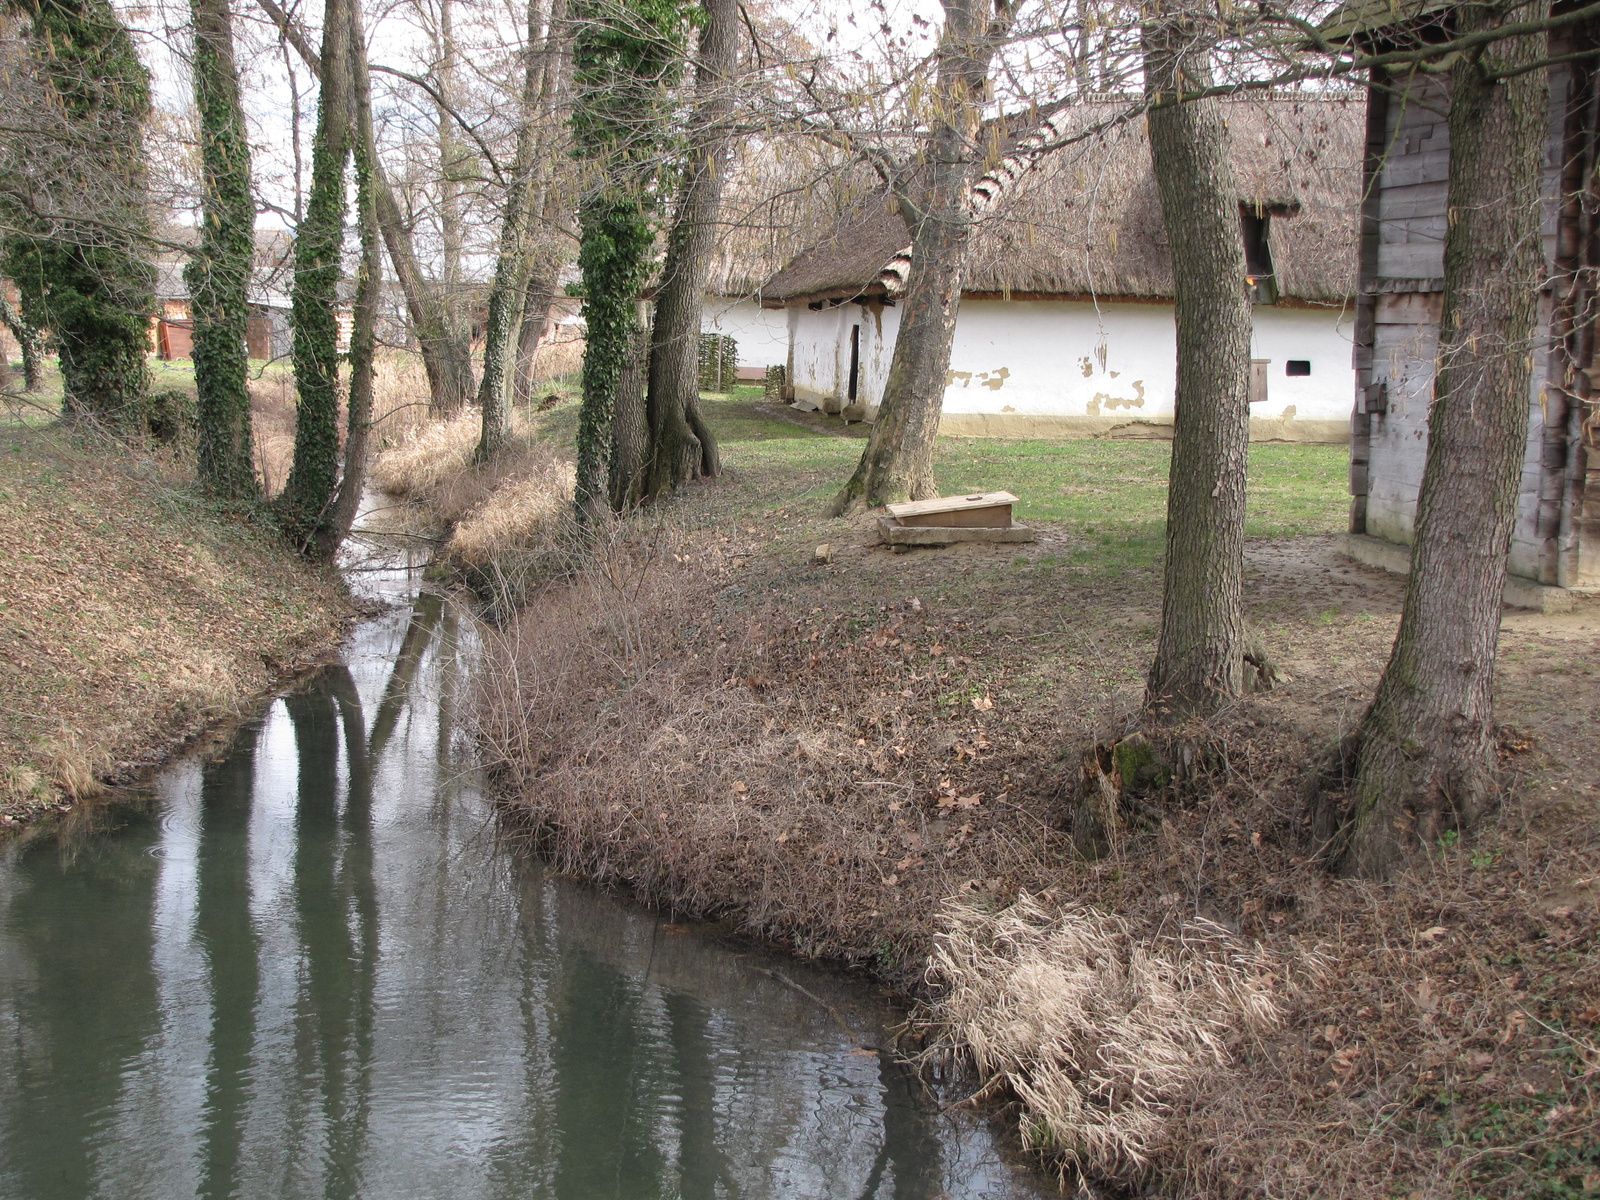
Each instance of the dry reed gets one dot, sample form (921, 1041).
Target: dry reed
(1097, 1026)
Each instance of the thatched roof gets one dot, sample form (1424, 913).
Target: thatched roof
(1086, 221)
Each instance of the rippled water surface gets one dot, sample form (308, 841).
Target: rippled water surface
(305, 968)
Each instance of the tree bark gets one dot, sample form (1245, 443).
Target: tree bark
(219, 274)
(536, 302)
(529, 177)
(897, 463)
(1200, 654)
(318, 245)
(369, 277)
(1425, 760)
(455, 331)
(448, 363)
(630, 426)
(678, 452)
(30, 343)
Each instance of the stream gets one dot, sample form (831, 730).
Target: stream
(304, 964)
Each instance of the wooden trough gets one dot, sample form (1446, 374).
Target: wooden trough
(980, 517)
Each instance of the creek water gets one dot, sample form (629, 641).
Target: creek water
(304, 965)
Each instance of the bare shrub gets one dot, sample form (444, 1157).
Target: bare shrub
(732, 758)
(1097, 1026)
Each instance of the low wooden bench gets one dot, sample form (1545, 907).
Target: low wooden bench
(975, 517)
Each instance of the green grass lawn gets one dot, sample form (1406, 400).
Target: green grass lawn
(1115, 490)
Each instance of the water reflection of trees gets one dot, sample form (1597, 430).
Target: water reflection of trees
(579, 1049)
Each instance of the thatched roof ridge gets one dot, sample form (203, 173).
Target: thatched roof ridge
(1087, 219)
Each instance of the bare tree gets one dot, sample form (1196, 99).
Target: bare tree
(934, 194)
(1426, 755)
(681, 443)
(1200, 655)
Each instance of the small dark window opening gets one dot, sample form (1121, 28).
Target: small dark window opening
(1297, 366)
(815, 306)
(855, 360)
(1255, 224)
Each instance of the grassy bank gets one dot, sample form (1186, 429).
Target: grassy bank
(877, 759)
(132, 613)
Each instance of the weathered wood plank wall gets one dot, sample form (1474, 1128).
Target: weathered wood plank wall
(1402, 273)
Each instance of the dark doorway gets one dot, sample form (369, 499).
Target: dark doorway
(855, 360)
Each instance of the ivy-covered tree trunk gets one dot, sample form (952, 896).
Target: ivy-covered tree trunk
(30, 344)
(318, 252)
(630, 433)
(897, 463)
(1425, 759)
(681, 445)
(364, 317)
(1200, 654)
(614, 258)
(86, 275)
(219, 274)
(626, 56)
(447, 362)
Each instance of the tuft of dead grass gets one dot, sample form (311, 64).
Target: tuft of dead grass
(1097, 1025)
(430, 453)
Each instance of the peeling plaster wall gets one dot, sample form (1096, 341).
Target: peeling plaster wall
(1055, 368)
(762, 333)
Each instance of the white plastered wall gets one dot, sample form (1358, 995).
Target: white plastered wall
(1058, 368)
(762, 334)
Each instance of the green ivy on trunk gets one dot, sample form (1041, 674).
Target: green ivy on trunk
(86, 275)
(219, 274)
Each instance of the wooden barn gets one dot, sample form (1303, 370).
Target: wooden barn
(1556, 540)
(1066, 323)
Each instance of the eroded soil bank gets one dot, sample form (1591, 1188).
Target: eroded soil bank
(132, 614)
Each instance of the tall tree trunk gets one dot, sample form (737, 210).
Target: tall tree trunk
(897, 463)
(219, 274)
(630, 424)
(90, 281)
(1426, 747)
(678, 452)
(457, 330)
(1200, 655)
(318, 245)
(509, 290)
(30, 343)
(448, 363)
(617, 236)
(627, 54)
(369, 278)
(536, 302)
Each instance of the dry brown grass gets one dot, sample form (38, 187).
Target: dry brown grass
(506, 518)
(134, 613)
(1097, 1025)
(842, 757)
(399, 403)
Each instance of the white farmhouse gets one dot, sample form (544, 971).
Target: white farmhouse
(1066, 322)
